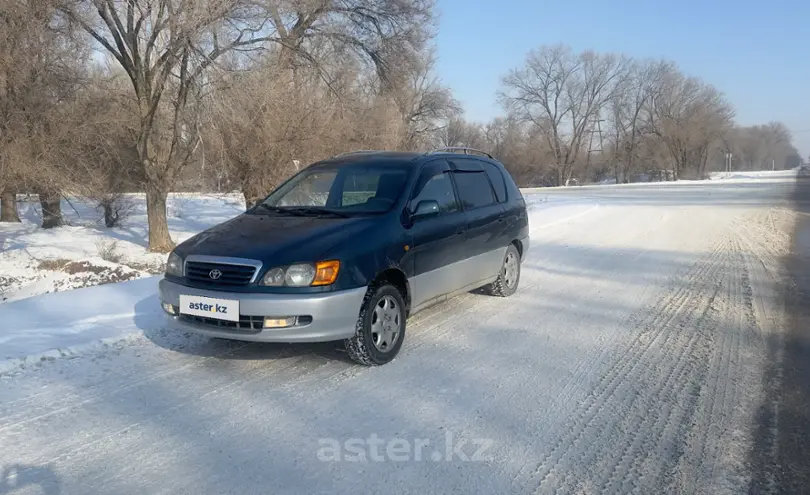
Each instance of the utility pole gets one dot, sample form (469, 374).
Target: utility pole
(591, 149)
(773, 164)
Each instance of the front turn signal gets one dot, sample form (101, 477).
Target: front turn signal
(326, 272)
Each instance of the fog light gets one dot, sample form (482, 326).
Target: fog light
(279, 322)
(170, 309)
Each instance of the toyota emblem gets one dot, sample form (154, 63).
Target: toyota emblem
(214, 274)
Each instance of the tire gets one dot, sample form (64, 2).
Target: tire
(509, 277)
(380, 327)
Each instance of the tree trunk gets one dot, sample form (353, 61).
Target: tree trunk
(159, 239)
(51, 203)
(110, 216)
(252, 194)
(8, 207)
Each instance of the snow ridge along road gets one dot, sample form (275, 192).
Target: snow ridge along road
(630, 360)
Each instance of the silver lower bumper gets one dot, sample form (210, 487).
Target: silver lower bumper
(334, 314)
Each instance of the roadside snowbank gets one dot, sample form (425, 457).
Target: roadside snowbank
(753, 175)
(66, 323)
(36, 261)
(714, 178)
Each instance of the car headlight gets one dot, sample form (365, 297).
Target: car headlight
(302, 274)
(174, 265)
(299, 275)
(273, 278)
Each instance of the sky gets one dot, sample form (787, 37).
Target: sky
(756, 52)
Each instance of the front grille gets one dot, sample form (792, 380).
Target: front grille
(200, 271)
(246, 324)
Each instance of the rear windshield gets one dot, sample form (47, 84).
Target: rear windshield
(347, 189)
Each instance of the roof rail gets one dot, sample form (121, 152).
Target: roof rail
(356, 152)
(454, 149)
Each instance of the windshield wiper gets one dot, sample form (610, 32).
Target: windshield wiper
(278, 209)
(310, 210)
(303, 211)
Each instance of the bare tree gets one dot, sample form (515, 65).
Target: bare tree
(561, 93)
(40, 65)
(166, 47)
(426, 106)
(379, 31)
(625, 114)
(340, 75)
(459, 132)
(760, 147)
(688, 115)
(264, 128)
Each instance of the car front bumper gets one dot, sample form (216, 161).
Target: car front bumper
(334, 314)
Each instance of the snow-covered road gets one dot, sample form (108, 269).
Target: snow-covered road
(630, 360)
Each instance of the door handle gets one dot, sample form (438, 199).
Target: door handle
(460, 230)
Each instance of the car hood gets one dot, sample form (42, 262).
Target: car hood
(275, 239)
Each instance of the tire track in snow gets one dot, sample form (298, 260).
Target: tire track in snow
(709, 419)
(721, 393)
(673, 394)
(652, 324)
(766, 273)
(25, 406)
(678, 412)
(670, 444)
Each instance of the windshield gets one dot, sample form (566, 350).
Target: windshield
(345, 189)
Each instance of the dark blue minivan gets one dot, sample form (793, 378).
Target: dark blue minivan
(351, 246)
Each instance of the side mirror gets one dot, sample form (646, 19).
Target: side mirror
(425, 208)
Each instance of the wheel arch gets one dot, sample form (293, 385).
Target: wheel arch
(519, 246)
(398, 279)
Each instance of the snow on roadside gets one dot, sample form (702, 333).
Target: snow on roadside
(714, 178)
(68, 323)
(36, 261)
(753, 175)
(547, 211)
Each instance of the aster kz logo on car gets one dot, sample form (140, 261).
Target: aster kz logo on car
(223, 309)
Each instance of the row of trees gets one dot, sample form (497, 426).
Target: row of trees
(101, 97)
(590, 116)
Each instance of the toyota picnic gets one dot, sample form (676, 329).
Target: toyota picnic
(349, 247)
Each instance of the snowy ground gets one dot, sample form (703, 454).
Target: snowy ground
(34, 261)
(630, 360)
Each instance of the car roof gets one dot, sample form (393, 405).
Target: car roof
(368, 158)
(372, 157)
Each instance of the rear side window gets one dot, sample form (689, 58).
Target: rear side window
(474, 189)
(497, 179)
(437, 187)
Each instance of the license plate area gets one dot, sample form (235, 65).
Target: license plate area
(210, 307)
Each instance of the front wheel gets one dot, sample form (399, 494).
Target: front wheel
(508, 278)
(380, 327)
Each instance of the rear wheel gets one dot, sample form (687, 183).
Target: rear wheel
(507, 282)
(380, 327)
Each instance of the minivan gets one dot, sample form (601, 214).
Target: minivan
(349, 247)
